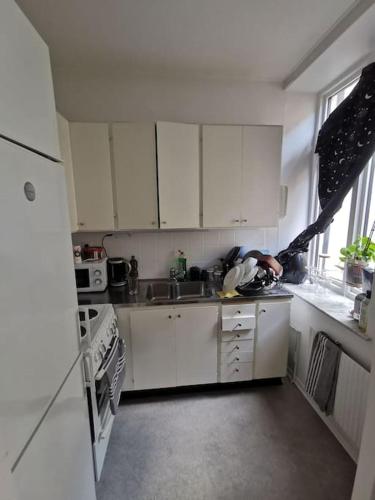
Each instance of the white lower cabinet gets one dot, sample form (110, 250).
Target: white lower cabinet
(174, 346)
(271, 345)
(153, 348)
(196, 345)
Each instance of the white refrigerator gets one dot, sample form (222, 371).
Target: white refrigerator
(45, 439)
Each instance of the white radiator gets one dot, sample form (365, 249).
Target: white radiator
(351, 399)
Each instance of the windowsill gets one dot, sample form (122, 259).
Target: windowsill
(330, 303)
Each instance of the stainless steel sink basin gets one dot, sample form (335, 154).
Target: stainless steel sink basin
(159, 291)
(190, 290)
(168, 291)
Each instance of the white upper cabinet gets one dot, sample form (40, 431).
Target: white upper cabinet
(92, 175)
(27, 103)
(134, 156)
(241, 175)
(66, 156)
(178, 175)
(222, 167)
(261, 175)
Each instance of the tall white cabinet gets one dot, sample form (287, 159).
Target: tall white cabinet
(27, 104)
(241, 175)
(178, 174)
(92, 175)
(134, 163)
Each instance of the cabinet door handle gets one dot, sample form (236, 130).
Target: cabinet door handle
(178, 315)
(237, 370)
(243, 220)
(262, 311)
(238, 312)
(81, 223)
(170, 317)
(153, 223)
(238, 335)
(237, 358)
(163, 221)
(236, 220)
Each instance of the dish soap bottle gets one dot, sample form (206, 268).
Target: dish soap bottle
(181, 265)
(133, 276)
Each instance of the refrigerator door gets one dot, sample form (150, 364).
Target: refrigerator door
(57, 464)
(38, 302)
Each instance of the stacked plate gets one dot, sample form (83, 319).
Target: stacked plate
(240, 275)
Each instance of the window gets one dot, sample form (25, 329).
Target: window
(357, 214)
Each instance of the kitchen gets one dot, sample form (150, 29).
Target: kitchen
(160, 162)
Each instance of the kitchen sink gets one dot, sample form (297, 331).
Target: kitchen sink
(159, 291)
(190, 290)
(168, 291)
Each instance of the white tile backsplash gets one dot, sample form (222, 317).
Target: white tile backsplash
(155, 251)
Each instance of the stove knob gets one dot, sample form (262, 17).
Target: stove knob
(97, 272)
(98, 281)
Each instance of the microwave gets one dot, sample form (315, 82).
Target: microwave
(91, 275)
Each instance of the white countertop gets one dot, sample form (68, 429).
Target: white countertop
(333, 304)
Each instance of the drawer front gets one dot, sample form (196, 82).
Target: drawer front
(236, 372)
(237, 345)
(228, 358)
(238, 310)
(241, 323)
(237, 335)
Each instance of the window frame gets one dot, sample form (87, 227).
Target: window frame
(361, 196)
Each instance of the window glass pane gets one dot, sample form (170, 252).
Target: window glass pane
(371, 215)
(338, 232)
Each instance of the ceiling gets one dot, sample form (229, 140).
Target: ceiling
(260, 40)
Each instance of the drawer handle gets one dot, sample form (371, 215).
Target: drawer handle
(238, 324)
(262, 311)
(170, 317)
(235, 347)
(237, 358)
(178, 315)
(237, 370)
(238, 335)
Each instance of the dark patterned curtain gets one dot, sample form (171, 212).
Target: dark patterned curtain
(345, 144)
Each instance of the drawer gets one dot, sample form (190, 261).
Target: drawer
(237, 335)
(240, 323)
(238, 310)
(237, 345)
(228, 358)
(236, 372)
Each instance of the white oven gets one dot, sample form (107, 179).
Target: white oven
(104, 361)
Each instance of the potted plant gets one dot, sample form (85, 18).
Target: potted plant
(356, 257)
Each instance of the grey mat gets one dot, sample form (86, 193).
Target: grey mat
(263, 443)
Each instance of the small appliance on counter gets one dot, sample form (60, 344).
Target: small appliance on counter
(118, 270)
(93, 253)
(91, 275)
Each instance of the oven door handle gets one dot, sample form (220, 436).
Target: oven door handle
(103, 369)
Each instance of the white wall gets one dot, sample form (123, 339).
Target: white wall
(156, 250)
(151, 98)
(299, 127)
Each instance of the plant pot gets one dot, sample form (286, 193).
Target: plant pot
(354, 272)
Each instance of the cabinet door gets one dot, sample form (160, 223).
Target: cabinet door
(27, 103)
(153, 348)
(261, 175)
(57, 463)
(92, 175)
(222, 175)
(271, 346)
(178, 175)
(66, 156)
(196, 345)
(134, 156)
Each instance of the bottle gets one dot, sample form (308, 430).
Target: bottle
(363, 315)
(133, 276)
(181, 265)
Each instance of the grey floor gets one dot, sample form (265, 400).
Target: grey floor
(263, 443)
